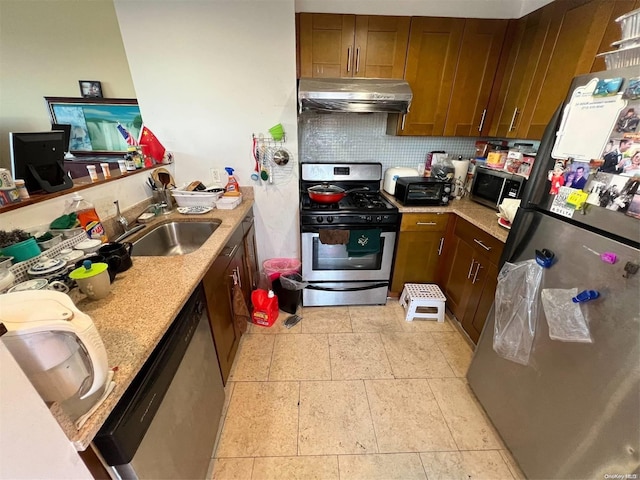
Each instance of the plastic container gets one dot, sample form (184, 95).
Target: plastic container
(274, 267)
(87, 216)
(228, 203)
(265, 307)
(22, 251)
(232, 187)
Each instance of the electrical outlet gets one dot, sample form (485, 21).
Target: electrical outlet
(215, 176)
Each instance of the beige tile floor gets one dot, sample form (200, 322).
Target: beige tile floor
(356, 393)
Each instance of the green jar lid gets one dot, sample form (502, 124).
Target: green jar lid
(88, 270)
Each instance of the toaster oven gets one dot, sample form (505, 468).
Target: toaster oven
(423, 191)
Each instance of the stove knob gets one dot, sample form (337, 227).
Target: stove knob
(329, 219)
(369, 218)
(319, 219)
(379, 218)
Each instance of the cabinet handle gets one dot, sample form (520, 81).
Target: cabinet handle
(348, 59)
(441, 245)
(403, 119)
(513, 119)
(475, 275)
(484, 114)
(357, 59)
(426, 223)
(482, 244)
(233, 251)
(470, 268)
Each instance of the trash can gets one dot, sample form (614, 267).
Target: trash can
(274, 267)
(288, 288)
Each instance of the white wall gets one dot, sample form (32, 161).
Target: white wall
(45, 48)
(208, 74)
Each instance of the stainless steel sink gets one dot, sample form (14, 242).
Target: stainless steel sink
(174, 238)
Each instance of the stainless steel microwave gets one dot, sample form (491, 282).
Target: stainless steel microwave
(490, 186)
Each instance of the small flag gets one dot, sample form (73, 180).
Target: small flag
(126, 135)
(151, 146)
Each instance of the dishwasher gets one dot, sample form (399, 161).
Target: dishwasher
(165, 424)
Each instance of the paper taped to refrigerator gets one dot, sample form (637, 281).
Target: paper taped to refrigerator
(586, 125)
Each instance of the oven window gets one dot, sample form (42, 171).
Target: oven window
(334, 257)
(488, 186)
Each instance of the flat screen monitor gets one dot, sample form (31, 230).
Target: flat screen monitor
(66, 128)
(37, 158)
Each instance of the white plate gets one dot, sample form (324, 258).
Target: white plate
(194, 210)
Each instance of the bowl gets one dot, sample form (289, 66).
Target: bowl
(89, 245)
(52, 242)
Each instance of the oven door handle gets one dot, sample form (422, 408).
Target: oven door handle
(347, 289)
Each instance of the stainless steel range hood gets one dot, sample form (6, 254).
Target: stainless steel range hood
(360, 95)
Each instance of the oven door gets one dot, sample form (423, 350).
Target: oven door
(331, 263)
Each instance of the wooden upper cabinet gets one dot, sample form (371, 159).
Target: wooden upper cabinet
(513, 84)
(476, 67)
(352, 46)
(431, 66)
(612, 33)
(573, 36)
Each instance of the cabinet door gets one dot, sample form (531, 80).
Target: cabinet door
(477, 62)
(612, 32)
(571, 37)
(417, 258)
(218, 286)
(431, 64)
(484, 302)
(326, 45)
(380, 46)
(456, 282)
(525, 38)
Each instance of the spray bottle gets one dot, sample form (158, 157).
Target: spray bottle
(232, 189)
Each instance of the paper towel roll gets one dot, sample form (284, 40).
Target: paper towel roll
(460, 171)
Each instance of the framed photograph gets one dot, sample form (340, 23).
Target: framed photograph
(94, 123)
(90, 89)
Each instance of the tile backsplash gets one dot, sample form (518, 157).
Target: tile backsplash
(357, 137)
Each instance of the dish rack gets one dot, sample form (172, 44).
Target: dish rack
(186, 198)
(19, 269)
(628, 53)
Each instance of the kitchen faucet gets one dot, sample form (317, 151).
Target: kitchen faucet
(126, 231)
(120, 218)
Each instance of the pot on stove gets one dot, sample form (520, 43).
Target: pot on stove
(325, 193)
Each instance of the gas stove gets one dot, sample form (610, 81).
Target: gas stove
(359, 208)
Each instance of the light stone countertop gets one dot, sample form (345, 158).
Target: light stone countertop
(483, 217)
(143, 303)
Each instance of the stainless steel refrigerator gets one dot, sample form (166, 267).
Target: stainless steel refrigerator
(573, 411)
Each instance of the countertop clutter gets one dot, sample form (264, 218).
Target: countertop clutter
(143, 303)
(481, 216)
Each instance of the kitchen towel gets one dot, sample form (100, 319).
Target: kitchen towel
(241, 313)
(363, 242)
(333, 237)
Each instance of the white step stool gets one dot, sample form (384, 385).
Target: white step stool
(424, 296)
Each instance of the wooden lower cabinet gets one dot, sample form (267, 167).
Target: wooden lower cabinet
(418, 249)
(218, 285)
(470, 276)
(252, 271)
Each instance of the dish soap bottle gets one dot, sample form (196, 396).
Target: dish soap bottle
(232, 189)
(87, 216)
